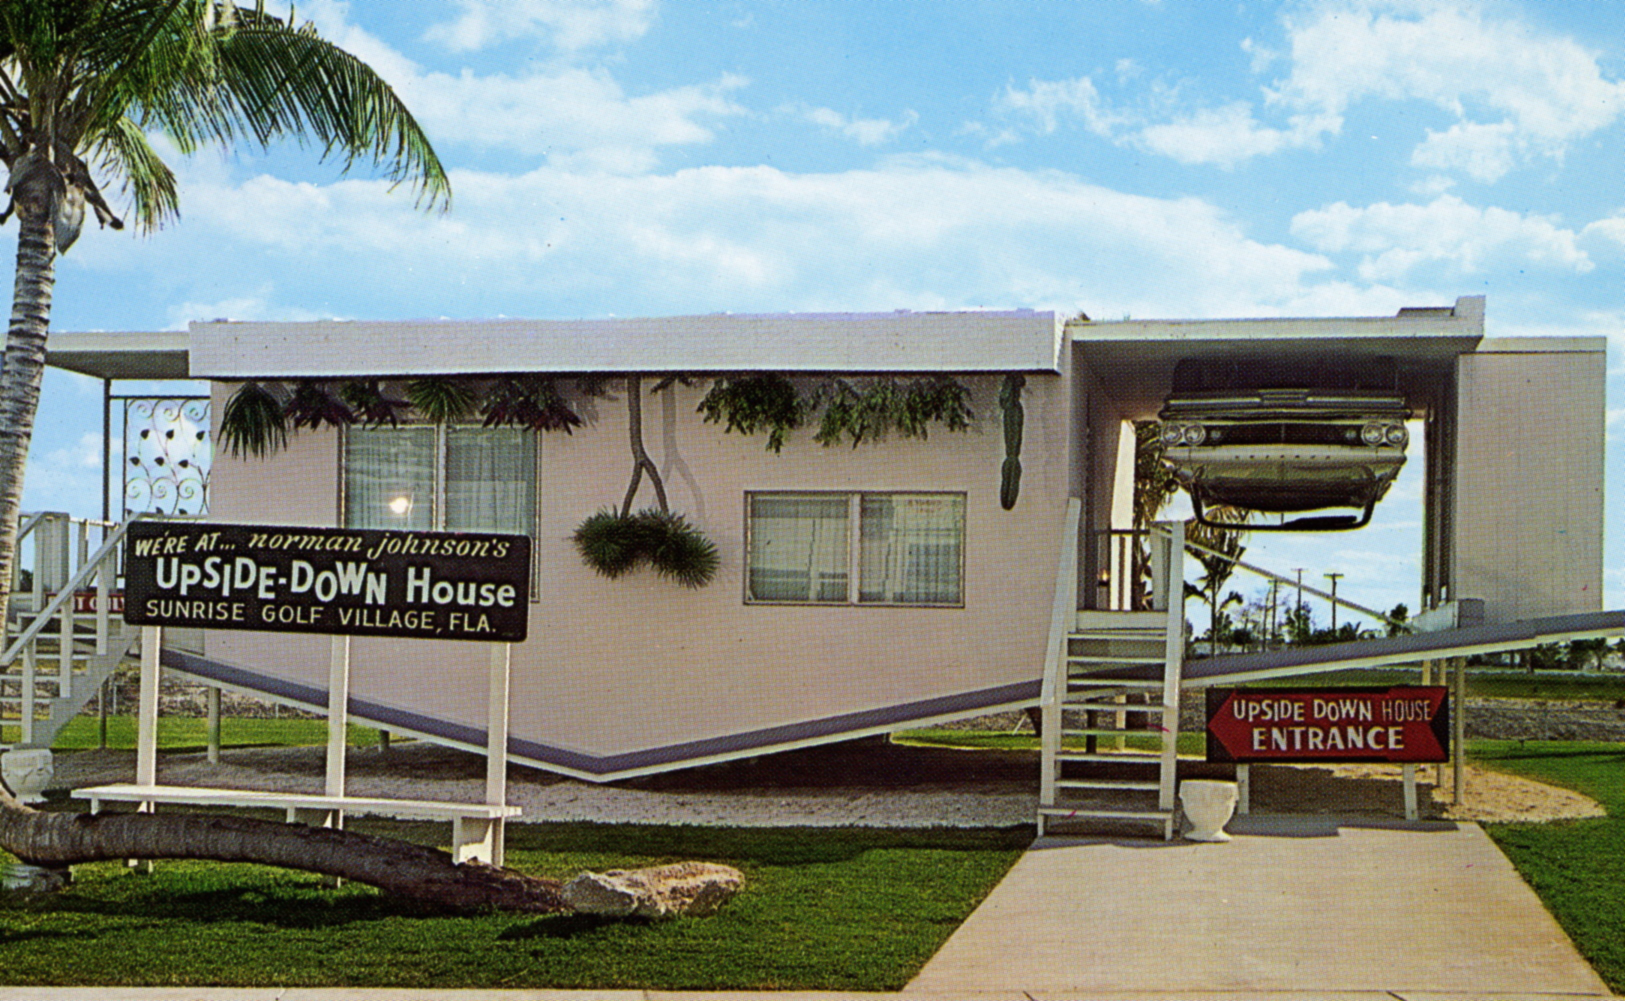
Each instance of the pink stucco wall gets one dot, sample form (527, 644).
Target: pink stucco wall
(620, 666)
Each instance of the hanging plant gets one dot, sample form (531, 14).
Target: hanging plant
(845, 410)
(857, 412)
(614, 544)
(371, 407)
(531, 402)
(1014, 417)
(439, 399)
(751, 403)
(313, 404)
(253, 423)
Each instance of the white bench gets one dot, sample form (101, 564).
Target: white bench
(475, 827)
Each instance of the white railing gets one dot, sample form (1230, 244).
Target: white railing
(1063, 617)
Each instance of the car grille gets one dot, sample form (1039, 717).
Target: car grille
(1273, 433)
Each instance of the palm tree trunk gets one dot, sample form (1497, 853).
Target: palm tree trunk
(24, 363)
(422, 876)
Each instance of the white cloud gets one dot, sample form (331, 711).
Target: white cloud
(570, 25)
(1225, 136)
(1047, 103)
(1612, 228)
(568, 114)
(910, 233)
(61, 478)
(1517, 93)
(1396, 239)
(863, 131)
(575, 115)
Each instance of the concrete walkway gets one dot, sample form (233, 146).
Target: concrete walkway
(1294, 905)
(1295, 909)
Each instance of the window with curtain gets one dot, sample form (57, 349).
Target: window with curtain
(908, 548)
(457, 479)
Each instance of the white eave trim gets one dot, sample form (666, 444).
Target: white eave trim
(1020, 340)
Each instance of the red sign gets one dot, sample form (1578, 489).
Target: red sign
(1403, 723)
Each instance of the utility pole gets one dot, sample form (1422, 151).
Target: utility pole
(1297, 614)
(1334, 578)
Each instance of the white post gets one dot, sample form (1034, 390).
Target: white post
(213, 697)
(1408, 770)
(30, 674)
(1173, 567)
(146, 728)
(496, 744)
(338, 714)
(1458, 723)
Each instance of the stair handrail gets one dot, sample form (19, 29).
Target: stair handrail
(65, 594)
(1064, 604)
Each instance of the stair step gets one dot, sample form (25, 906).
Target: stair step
(1115, 757)
(1082, 813)
(1105, 731)
(1081, 683)
(1090, 658)
(1111, 707)
(1127, 785)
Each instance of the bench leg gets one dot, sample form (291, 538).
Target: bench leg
(139, 866)
(477, 839)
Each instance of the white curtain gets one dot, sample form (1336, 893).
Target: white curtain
(490, 480)
(389, 478)
(798, 548)
(911, 549)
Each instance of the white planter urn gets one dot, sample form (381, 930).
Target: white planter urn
(1208, 805)
(27, 772)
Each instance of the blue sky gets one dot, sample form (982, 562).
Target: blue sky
(1120, 157)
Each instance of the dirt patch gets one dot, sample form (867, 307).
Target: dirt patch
(866, 783)
(1491, 797)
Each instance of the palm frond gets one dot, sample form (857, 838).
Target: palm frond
(278, 82)
(124, 152)
(252, 423)
(440, 400)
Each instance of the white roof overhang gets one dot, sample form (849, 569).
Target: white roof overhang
(1134, 359)
(121, 355)
(902, 342)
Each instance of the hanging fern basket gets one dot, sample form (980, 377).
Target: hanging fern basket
(614, 544)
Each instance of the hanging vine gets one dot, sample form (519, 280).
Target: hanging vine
(849, 410)
(260, 417)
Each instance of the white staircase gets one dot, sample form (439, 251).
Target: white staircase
(1110, 704)
(62, 638)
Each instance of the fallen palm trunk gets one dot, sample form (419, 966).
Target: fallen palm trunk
(423, 876)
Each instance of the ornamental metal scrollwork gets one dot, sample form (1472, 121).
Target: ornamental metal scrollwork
(168, 453)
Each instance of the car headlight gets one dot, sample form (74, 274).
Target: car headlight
(1172, 435)
(1194, 434)
(1372, 434)
(1396, 435)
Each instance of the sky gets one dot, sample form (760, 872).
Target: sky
(1123, 158)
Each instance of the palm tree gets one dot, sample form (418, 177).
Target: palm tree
(82, 82)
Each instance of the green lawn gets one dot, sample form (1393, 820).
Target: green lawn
(1577, 867)
(823, 909)
(181, 733)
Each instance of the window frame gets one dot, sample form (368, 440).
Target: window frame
(854, 546)
(438, 519)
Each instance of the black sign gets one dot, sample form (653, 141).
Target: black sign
(340, 581)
